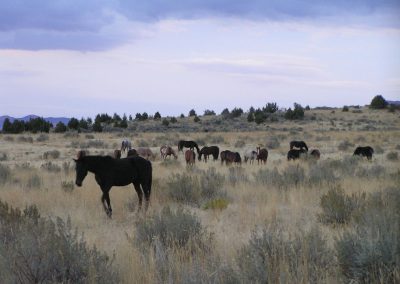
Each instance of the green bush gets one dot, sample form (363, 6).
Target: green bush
(42, 138)
(275, 256)
(5, 174)
(195, 189)
(54, 154)
(34, 182)
(345, 108)
(378, 102)
(50, 167)
(337, 207)
(345, 145)
(216, 204)
(34, 249)
(392, 156)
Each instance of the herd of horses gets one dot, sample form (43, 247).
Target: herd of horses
(136, 168)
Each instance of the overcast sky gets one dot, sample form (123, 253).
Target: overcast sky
(79, 58)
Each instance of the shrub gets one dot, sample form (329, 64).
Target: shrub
(42, 138)
(34, 182)
(369, 252)
(165, 122)
(60, 127)
(5, 174)
(344, 145)
(273, 143)
(337, 207)
(172, 229)
(237, 175)
(392, 156)
(173, 120)
(67, 186)
(296, 113)
(3, 157)
(345, 108)
(89, 136)
(378, 102)
(240, 143)
(54, 154)
(50, 167)
(196, 119)
(195, 189)
(275, 256)
(25, 139)
(192, 112)
(35, 249)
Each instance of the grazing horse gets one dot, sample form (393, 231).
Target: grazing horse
(188, 144)
(167, 151)
(230, 157)
(301, 145)
(117, 154)
(145, 152)
(250, 156)
(111, 172)
(262, 155)
(132, 153)
(295, 154)
(315, 154)
(211, 150)
(126, 145)
(190, 157)
(366, 151)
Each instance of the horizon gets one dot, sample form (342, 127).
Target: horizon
(82, 59)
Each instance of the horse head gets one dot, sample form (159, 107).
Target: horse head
(81, 168)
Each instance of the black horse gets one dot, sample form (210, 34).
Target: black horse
(298, 144)
(111, 172)
(211, 150)
(295, 154)
(366, 151)
(188, 144)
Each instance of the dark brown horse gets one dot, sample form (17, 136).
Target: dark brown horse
(262, 155)
(295, 154)
(117, 154)
(211, 150)
(315, 154)
(188, 144)
(366, 151)
(111, 172)
(132, 153)
(301, 145)
(190, 157)
(230, 157)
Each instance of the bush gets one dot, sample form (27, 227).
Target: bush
(3, 157)
(5, 174)
(275, 256)
(192, 112)
(165, 122)
(172, 229)
(273, 143)
(337, 207)
(369, 252)
(392, 156)
(378, 102)
(296, 113)
(34, 182)
(345, 145)
(25, 139)
(67, 186)
(345, 108)
(196, 119)
(42, 138)
(54, 154)
(216, 204)
(60, 127)
(237, 175)
(50, 167)
(35, 249)
(195, 189)
(240, 143)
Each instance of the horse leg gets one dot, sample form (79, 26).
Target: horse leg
(139, 193)
(105, 200)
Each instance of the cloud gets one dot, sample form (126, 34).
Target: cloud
(90, 24)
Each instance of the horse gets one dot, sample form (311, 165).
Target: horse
(262, 155)
(250, 155)
(211, 150)
(132, 153)
(315, 154)
(190, 157)
(111, 172)
(301, 145)
(126, 145)
(366, 151)
(117, 154)
(188, 144)
(230, 157)
(167, 151)
(295, 154)
(145, 152)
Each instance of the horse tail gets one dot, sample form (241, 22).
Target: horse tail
(305, 146)
(197, 148)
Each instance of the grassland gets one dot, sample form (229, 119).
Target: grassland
(260, 223)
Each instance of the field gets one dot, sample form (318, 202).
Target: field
(287, 222)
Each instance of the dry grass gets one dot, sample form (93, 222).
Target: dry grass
(250, 204)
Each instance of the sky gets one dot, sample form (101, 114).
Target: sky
(80, 58)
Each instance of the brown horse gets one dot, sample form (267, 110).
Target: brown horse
(117, 154)
(167, 151)
(230, 157)
(315, 154)
(190, 157)
(211, 150)
(145, 152)
(262, 155)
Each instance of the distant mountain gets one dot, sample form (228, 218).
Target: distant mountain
(396, 103)
(53, 120)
